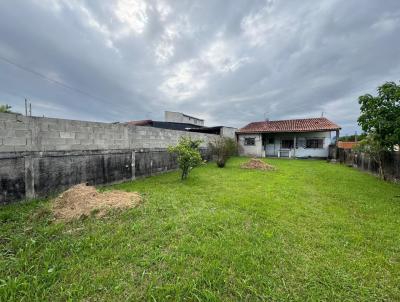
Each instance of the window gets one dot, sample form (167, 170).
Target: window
(317, 143)
(249, 141)
(271, 141)
(287, 144)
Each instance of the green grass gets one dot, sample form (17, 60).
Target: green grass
(307, 231)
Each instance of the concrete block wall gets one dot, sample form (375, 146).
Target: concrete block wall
(40, 156)
(19, 133)
(149, 137)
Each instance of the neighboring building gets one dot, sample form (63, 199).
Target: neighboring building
(309, 137)
(183, 122)
(164, 125)
(178, 117)
(220, 130)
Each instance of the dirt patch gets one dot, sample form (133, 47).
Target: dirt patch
(257, 164)
(82, 200)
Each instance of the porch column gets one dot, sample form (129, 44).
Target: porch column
(294, 145)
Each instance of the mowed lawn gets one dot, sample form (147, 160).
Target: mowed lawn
(307, 231)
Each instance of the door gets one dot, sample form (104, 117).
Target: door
(270, 146)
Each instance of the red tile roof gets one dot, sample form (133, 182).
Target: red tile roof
(346, 145)
(297, 125)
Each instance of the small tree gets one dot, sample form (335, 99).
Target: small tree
(188, 154)
(223, 148)
(5, 108)
(372, 146)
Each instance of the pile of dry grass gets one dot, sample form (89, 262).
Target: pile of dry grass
(257, 164)
(82, 200)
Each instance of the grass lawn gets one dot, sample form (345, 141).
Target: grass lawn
(307, 231)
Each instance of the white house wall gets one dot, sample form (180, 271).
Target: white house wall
(245, 150)
(301, 151)
(272, 149)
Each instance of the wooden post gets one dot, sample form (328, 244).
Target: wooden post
(337, 136)
(336, 155)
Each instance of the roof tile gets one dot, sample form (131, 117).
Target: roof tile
(296, 125)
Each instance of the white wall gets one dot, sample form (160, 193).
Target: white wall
(300, 151)
(245, 150)
(178, 117)
(228, 132)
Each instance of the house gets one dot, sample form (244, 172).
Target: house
(308, 137)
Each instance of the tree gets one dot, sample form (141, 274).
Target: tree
(380, 115)
(353, 138)
(223, 148)
(5, 108)
(380, 119)
(372, 146)
(188, 154)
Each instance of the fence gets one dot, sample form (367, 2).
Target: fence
(391, 162)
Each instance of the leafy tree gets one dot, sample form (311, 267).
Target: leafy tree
(380, 115)
(223, 148)
(5, 108)
(188, 154)
(380, 119)
(352, 138)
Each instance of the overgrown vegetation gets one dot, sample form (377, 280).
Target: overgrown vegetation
(188, 154)
(222, 148)
(380, 115)
(380, 119)
(308, 231)
(5, 108)
(353, 138)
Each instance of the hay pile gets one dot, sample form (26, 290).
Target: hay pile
(257, 164)
(82, 200)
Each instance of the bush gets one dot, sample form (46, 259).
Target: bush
(188, 154)
(5, 109)
(222, 148)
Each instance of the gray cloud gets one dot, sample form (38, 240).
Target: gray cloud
(230, 62)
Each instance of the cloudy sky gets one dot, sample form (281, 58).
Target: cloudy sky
(229, 62)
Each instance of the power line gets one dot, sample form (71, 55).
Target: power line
(38, 74)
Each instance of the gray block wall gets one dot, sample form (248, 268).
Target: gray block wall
(40, 156)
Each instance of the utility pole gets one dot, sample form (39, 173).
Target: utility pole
(30, 109)
(26, 107)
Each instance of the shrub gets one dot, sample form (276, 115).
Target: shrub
(188, 154)
(223, 148)
(5, 108)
